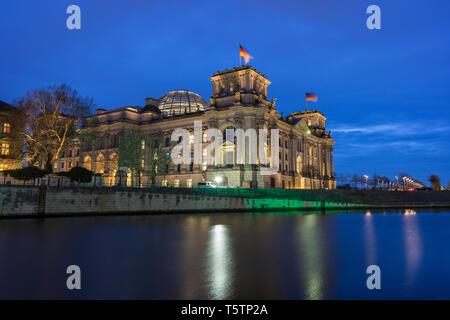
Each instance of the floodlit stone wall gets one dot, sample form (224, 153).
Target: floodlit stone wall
(53, 201)
(19, 200)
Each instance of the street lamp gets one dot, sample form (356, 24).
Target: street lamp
(367, 179)
(218, 179)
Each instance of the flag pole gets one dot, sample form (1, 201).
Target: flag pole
(239, 54)
(306, 104)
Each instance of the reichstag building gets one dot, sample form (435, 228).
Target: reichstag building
(239, 99)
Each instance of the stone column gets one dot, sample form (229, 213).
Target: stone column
(213, 123)
(238, 124)
(320, 159)
(292, 153)
(331, 163)
(258, 125)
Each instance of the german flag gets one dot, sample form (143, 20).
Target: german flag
(245, 54)
(311, 96)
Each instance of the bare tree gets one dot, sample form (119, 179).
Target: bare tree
(385, 182)
(341, 178)
(435, 182)
(52, 115)
(356, 179)
(375, 180)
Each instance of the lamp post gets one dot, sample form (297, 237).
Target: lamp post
(218, 180)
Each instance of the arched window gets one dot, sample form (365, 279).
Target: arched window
(228, 150)
(87, 163)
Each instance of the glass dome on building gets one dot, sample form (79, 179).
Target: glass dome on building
(180, 102)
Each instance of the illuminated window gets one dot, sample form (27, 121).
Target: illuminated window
(191, 139)
(6, 128)
(142, 144)
(70, 164)
(3, 166)
(129, 179)
(176, 183)
(205, 165)
(229, 157)
(142, 163)
(4, 151)
(228, 134)
(189, 183)
(164, 183)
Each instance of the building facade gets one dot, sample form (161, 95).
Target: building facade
(11, 139)
(239, 100)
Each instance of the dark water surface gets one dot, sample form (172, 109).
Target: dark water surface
(229, 256)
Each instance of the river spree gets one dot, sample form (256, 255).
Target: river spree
(229, 256)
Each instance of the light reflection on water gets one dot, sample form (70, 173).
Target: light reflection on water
(311, 256)
(413, 246)
(219, 262)
(223, 256)
(370, 239)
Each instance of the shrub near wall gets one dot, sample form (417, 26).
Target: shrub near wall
(28, 173)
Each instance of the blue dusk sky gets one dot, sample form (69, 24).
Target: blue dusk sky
(385, 92)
